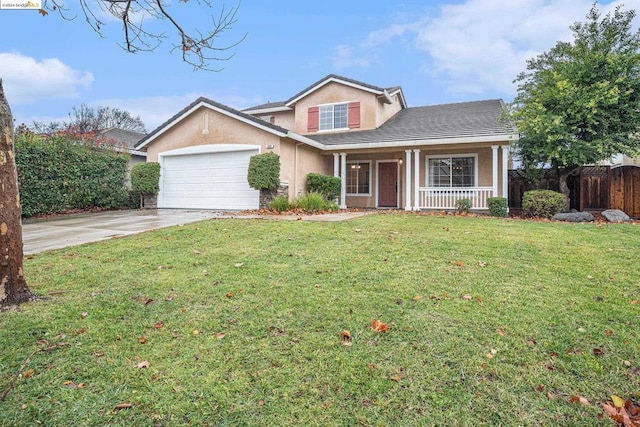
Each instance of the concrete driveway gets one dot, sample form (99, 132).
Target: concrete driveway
(69, 230)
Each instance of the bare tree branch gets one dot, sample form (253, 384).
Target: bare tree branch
(199, 47)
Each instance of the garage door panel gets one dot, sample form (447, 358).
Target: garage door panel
(207, 181)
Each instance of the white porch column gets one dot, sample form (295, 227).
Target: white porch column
(407, 181)
(343, 180)
(416, 180)
(494, 163)
(336, 164)
(505, 171)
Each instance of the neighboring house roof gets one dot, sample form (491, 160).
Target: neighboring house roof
(127, 138)
(228, 111)
(434, 124)
(286, 105)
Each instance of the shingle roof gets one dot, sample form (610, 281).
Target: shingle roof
(466, 119)
(212, 103)
(319, 82)
(127, 137)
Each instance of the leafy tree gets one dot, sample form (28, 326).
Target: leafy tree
(578, 103)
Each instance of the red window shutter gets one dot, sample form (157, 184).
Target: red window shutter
(313, 119)
(272, 120)
(353, 118)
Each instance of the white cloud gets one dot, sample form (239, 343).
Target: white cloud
(156, 110)
(27, 80)
(482, 45)
(344, 57)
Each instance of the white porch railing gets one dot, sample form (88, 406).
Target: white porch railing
(447, 198)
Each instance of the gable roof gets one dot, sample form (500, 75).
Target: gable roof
(127, 137)
(287, 105)
(216, 106)
(434, 124)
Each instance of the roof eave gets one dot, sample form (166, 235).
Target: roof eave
(267, 110)
(509, 137)
(214, 108)
(331, 80)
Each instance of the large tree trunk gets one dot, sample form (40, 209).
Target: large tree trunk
(13, 287)
(563, 175)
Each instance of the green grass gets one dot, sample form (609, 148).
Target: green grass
(281, 292)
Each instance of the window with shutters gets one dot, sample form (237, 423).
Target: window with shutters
(333, 116)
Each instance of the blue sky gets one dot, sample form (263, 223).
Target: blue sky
(438, 51)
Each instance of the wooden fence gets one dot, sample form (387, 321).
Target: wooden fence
(596, 188)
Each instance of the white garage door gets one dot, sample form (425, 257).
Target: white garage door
(207, 177)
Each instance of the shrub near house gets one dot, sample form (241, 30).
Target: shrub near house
(64, 172)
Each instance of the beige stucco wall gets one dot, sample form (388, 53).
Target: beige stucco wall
(333, 93)
(222, 130)
(284, 119)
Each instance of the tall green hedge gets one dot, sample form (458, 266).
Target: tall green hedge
(58, 173)
(264, 171)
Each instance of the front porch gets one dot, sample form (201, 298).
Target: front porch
(423, 179)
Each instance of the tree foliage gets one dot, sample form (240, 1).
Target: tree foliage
(148, 23)
(578, 103)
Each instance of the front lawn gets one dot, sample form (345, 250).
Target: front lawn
(240, 322)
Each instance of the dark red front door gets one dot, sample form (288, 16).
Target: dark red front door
(388, 185)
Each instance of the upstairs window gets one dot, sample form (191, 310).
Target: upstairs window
(333, 116)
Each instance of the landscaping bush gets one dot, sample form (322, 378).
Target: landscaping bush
(280, 204)
(58, 173)
(542, 203)
(328, 186)
(264, 171)
(498, 206)
(314, 202)
(145, 180)
(464, 205)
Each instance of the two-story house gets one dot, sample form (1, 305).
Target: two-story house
(387, 155)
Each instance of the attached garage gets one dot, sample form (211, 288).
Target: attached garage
(207, 177)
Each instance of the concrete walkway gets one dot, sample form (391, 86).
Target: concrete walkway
(41, 235)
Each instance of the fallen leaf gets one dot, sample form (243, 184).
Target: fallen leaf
(144, 364)
(378, 326)
(540, 387)
(608, 332)
(229, 294)
(502, 332)
(195, 332)
(84, 314)
(142, 340)
(372, 366)
(617, 401)
(635, 301)
(158, 325)
(220, 335)
(28, 373)
(238, 264)
(627, 363)
(490, 355)
(416, 298)
(467, 297)
(357, 230)
(120, 406)
(345, 338)
(597, 352)
(43, 12)
(459, 263)
(197, 252)
(482, 264)
(168, 298)
(580, 399)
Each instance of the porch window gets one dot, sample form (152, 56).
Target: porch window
(358, 178)
(333, 116)
(451, 172)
